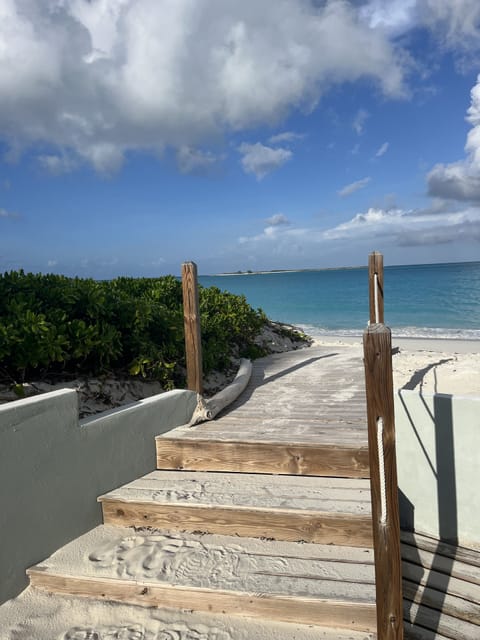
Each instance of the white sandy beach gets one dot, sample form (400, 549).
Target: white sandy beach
(430, 365)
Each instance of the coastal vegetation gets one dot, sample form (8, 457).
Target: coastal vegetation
(52, 325)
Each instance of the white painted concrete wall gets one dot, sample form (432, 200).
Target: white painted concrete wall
(53, 468)
(438, 459)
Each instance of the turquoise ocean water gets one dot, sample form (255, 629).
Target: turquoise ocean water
(429, 301)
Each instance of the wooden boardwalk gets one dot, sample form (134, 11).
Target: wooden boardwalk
(260, 523)
(302, 412)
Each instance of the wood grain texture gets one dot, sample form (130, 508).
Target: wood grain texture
(345, 615)
(386, 526)
(262, 457)
(433, 545)
(430, 624)
(441, 564)
(191, 317)
(440, 581)
(375, 266)
(282, 524)
(446, 603)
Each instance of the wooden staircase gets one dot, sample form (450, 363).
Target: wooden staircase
(250, 528)
(229, 542)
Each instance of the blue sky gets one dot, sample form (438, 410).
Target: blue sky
(137, 134)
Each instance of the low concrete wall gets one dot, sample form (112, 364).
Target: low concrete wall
(438, 454)
(53, 468)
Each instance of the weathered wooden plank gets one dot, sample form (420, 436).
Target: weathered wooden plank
(383, 481)
(441, 564)
(441, 582)
(191, 317)
(462, 554)
(271, 434)
(440, 601)
(289, 492)
(268, 457)
(351, 530)
(344, 615)
(439, 623)
(375, 288)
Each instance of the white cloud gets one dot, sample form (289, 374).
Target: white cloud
(354, 186)
(359, 120)
(461, 180)
(104, 77)
(456, 23)
(286, 136)
(394, 227)
(382, 150)
(411, 227)
(194, 161)
(277, 219)
(373, 219)
(52, 263)
(394, 16)
(260, 159)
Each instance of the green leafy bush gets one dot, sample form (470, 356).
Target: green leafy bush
(54, 324)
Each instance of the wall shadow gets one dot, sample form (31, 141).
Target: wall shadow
(426, 582)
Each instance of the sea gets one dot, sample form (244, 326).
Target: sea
(420, 301)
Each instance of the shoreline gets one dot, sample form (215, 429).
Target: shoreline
(444, 345)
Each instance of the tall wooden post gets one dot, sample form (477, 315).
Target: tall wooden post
(377, 347)
(191, 318)
(375, 286)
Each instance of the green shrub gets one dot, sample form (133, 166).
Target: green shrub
(54, 324)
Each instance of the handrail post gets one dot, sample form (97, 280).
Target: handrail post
(377, 346)
(191, 319)
(375, 288)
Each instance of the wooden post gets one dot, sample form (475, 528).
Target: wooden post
(375, 268)
(377, 347)
(191, 318)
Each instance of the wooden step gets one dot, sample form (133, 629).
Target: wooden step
(262, 456)
(295, 508)
(441, 589)
(39, 616)
(323, 585)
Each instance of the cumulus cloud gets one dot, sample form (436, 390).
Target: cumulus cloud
(410, 227)
(277, 219)
(382, 150)
(461, 180)
(395, 227)
(259, 159)
(104, 77)
(348, 189)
